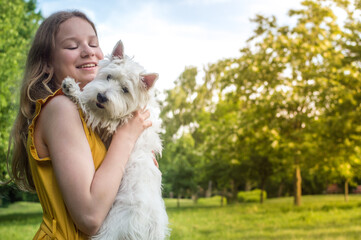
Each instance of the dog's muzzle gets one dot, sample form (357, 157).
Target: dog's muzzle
(102, 98)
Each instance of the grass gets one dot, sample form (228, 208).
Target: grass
(20, 220)
(319, 217)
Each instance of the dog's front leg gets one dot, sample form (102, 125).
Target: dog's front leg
(71, 89)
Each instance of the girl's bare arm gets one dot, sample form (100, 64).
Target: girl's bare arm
(88, 194)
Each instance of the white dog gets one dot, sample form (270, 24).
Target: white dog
(120, 88)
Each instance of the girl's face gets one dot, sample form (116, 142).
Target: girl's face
(76, 53)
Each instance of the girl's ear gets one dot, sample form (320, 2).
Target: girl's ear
(48, 69)
(118, 50)
(149, 79)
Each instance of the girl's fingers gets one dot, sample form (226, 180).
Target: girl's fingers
(156, 162)
(147, 124)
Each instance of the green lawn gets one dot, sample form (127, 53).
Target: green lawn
(319, 217)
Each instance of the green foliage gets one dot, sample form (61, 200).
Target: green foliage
(212, 201)
(18, 22)
(180, 159)
(251, 196)
(289, 105)
(10, 193)
(181, 173)
(290, 101)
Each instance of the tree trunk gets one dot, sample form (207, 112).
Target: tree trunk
(346, 190)
(209, 190)
(222, 196)
(178, 201)
(232, 195)
(248, 186)
(262, 189)
(297, 185)
(234, 191)
(195, 197)
(280, 189)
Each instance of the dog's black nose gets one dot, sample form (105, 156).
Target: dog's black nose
(102, 98)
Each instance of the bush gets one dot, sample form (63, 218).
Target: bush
(10, 193)
(215, 200)
(251, 196)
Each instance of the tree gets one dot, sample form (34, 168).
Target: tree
(339, 105)
(296, 76)
(290, 102)
(180, 171)
(180, 158)
(18, 22)
(222, 149)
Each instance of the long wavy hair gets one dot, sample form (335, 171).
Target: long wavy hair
(37, 84)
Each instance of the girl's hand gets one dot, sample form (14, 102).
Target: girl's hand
(131, 130)
(155, 160)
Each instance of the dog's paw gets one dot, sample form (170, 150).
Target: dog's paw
(70, 87)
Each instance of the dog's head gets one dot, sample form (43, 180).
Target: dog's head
(120, 87)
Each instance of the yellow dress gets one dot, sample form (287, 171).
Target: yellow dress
(57, 223)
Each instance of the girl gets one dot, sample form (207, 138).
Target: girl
(75, 176)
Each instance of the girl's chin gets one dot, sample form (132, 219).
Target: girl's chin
(81, 80)
(86, 79)
(84, 82)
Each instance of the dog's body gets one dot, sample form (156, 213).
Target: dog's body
(120, 88)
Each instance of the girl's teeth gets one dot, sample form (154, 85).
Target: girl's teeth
(87, 66)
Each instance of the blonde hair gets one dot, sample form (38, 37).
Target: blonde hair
(37, 84)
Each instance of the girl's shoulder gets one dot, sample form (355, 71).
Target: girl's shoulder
(59, 104)
(54, 102)
(56, 115)
(59, 110)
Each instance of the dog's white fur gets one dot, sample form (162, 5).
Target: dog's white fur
(138, 211)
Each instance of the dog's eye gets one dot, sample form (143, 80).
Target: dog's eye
(109, 77)
(125, 90)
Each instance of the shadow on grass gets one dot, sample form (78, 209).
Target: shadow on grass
(21, 218)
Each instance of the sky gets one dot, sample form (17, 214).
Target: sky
(165, 36)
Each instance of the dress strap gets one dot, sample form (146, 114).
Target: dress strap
(49, 226)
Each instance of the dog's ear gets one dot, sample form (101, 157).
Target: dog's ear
(118, 50)
(149, 79)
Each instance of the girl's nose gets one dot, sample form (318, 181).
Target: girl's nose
(87, 51)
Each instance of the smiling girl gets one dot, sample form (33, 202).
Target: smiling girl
(54, 152)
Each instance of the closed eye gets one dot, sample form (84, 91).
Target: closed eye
(72, 48)
(125, 90)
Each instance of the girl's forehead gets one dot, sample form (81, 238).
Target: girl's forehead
(75, 28)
